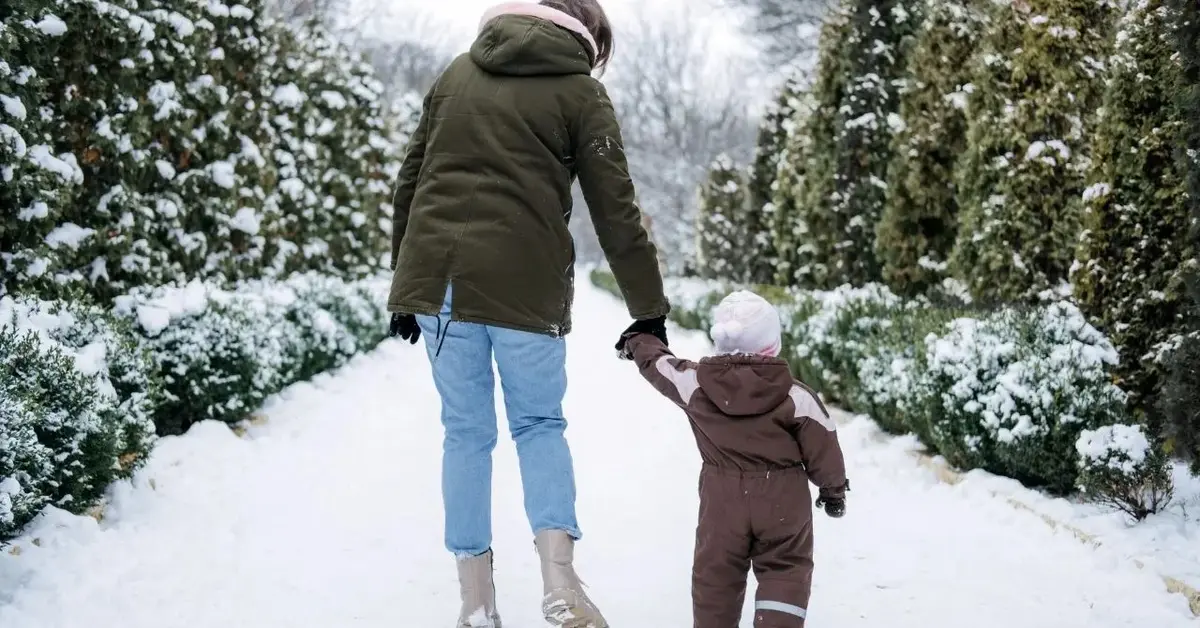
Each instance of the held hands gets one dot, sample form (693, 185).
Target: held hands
(656, 327)
(405, 326)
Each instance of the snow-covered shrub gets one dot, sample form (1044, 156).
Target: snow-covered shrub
(920, 215)
(1121, 468)
(1017, 387)
(164, 140)
(76, 399)
(220, 353)
(842, 326)
(1038, 80)
(1129, 274)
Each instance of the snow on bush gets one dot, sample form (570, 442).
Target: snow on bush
(1121, 467)
(76, 403)
(1024, 393)
(191, 144)
(82, 390)
(1017, 387)
(220, 352)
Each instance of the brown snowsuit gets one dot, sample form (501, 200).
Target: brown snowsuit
(762, 437)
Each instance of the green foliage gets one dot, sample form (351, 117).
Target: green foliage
(722, 228)
(1181, 402)
(160, 141)
(1128, 277)
(775, 133)
(75, 411)
(1181, 399)
(920, 217)
(788, 229)
(1037, 85)
(856, 91)
(82, 391)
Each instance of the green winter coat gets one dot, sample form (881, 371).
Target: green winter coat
(484, 195)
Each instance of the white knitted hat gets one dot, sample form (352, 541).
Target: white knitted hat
(746, 323)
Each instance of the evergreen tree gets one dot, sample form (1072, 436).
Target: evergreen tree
(1128, 279)
(788, 222)
(773, 136)
(805, 232)
(721, 226)
(164, 140)
(857, 105)
(1181, 401)
(920, 216)
(1038, 82)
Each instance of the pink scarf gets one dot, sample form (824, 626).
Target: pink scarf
(542, 12)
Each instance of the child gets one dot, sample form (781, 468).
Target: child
(762, 437)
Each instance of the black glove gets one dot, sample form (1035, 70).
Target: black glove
(656, 327)
(405, 326)
(834, 506)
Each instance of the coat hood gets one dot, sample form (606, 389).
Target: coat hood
(521, 39)
(745, 385)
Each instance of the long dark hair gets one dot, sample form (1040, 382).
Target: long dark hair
(593, 17)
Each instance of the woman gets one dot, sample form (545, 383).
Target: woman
(484, 266)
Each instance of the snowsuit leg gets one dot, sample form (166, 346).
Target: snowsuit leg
(722, 559)
(782, 551)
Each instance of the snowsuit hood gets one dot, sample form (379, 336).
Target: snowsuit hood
(520, 44)
(745, 385)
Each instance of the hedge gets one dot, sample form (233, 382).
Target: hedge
(1023, 393)
(83, 390)
(152, 142)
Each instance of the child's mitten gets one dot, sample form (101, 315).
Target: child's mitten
(833, 500)
(834, 506)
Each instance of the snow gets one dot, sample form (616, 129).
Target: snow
(329, 514)
(165, 169)
(288, 96)
(223, 174)
(65, 165)
(1128, 441)
(334, 100)
(36, 211)
(163, 94)
(52, 25)
(13, 106)
(246, 220)
(69, 235)
(183, 26)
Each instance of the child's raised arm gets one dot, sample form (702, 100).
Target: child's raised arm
(671, 376)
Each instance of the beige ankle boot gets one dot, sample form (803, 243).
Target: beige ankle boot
(478, 592)
(565, 605)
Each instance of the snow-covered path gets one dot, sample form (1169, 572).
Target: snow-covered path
(329, 516)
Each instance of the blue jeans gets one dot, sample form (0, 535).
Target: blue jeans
(533, 375)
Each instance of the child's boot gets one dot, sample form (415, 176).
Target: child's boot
(478, 592)
(565, 605)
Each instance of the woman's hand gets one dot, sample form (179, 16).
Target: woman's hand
(656, 327)
(405, 326)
